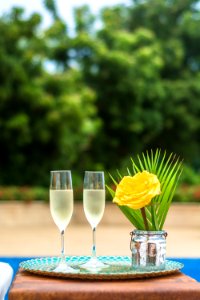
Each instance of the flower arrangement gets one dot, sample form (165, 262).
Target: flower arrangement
(144, 195)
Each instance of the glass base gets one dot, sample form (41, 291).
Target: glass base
(63, 267)
(93, 264)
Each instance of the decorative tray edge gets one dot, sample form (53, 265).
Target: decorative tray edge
(119, 268)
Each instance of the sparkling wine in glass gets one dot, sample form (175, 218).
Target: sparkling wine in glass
(61, 207)
(94, 205)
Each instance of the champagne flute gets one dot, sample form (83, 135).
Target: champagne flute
(94, 205)
(61, 207)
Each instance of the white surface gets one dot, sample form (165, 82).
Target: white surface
(6, 273)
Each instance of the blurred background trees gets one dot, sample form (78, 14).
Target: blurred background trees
(46, 119)
(124, 82)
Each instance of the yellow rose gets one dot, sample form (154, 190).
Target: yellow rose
(138, 190)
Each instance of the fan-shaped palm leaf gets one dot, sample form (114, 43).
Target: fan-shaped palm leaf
(168, 170)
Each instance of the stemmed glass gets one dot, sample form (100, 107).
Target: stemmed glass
(94, 205)
(61, 207)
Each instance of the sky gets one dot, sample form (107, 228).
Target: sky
(65, 7)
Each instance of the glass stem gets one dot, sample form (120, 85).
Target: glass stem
(62, 246)
(94, 242)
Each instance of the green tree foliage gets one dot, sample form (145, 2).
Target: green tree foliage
(50, 5)
(144, 64)
(46, 119)
(125, 81)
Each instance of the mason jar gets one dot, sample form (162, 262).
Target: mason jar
(148, 249)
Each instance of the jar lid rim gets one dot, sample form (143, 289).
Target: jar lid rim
(148, 232)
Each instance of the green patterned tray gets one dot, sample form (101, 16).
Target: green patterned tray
(118, 267)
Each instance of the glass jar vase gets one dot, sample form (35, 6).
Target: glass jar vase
(148, 249)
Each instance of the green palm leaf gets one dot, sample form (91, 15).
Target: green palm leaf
(168, 170)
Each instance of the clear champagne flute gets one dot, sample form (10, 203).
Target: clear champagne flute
(61, 207)
(94, 205)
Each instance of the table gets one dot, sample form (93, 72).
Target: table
(174, 287)
(6, 273)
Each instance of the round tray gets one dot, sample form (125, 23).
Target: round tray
(117, 267)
